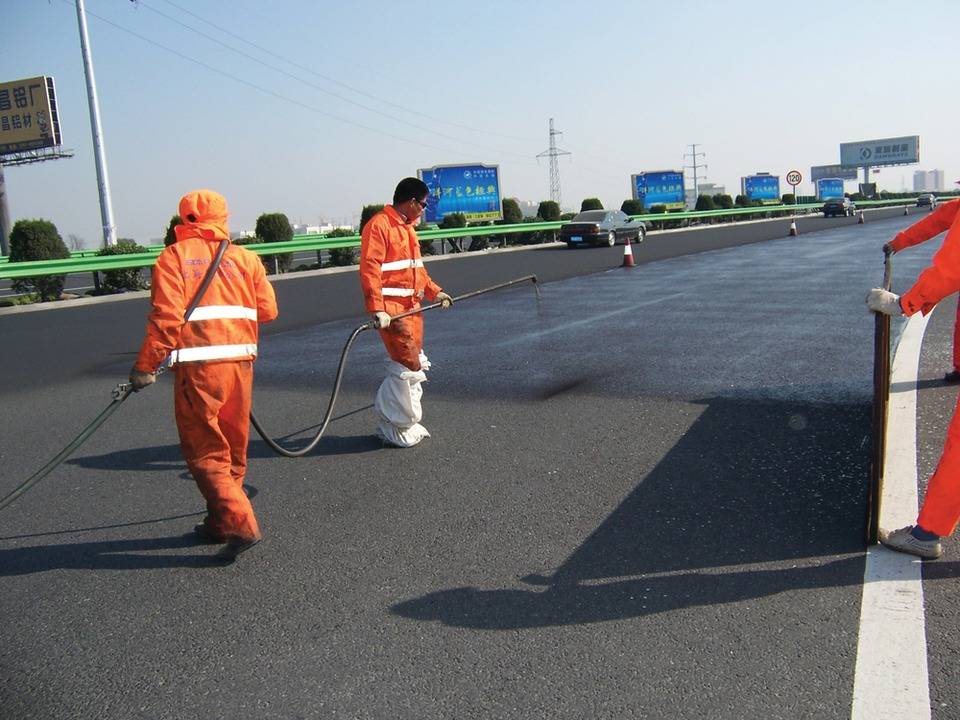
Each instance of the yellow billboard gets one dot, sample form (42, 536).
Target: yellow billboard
(28, 115)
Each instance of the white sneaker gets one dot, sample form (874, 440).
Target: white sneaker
(902, 541)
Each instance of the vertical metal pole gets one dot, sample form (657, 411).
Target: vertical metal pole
(103, 182)
(881, 399)
(4, 217)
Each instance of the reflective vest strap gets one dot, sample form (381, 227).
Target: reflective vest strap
(401, 265)
(223, 312)
(212, 352)
(396, 292)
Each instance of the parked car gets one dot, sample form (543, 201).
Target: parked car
(927, 199)
(839, 206)
(602, 227)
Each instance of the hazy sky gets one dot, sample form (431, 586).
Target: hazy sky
(317, 108)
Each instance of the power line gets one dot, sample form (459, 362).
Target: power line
(271, 92)
(321, 75)
(367, 108)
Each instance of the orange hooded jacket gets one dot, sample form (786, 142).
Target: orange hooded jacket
(224, 326)
(942, 278)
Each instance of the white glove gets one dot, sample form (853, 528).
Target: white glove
(884, 301)
(444, 300)
(381, 320)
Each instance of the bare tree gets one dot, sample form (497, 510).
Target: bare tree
(75, 242)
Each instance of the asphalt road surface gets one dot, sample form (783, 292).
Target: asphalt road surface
(643, 497)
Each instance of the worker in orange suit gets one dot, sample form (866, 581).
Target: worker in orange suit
(212, 353)
(941, 506)
(932, 225)
(394, 280)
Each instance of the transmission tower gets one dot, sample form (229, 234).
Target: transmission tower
(693, 154)
(553, 153)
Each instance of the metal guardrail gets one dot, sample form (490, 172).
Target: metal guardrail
(88, 261)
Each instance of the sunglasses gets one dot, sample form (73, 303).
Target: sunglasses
(421, 203)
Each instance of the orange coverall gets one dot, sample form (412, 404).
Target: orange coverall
(931, 226)
(394, 280)
(212, 354)
(941, 506)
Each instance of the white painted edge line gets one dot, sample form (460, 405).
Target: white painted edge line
(891, 679)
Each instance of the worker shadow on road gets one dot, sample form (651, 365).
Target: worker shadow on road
(168, 458)
(128, 554)
(756, 498)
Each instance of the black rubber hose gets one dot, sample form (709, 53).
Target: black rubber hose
(121, 393)
(280, 450)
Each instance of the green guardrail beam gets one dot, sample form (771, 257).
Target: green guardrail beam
(88, 261)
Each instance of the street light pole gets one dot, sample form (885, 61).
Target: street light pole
(103, 181)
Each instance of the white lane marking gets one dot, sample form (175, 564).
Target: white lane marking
(891, 678)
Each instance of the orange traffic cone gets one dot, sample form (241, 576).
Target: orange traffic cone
(627, 256)
(793, 228)
(861, 221)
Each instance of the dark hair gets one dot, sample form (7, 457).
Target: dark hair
(410, 188)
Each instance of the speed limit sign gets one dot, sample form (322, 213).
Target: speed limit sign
(794, 178)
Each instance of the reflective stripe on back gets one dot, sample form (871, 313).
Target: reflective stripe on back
(212, 352)
(223, 312)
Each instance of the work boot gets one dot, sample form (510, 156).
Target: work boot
(234, 549)
(903, 541)
(952, 377)
(206, 536)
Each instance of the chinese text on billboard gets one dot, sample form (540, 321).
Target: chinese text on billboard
(473, 190)
(664, 187)
(28, 115)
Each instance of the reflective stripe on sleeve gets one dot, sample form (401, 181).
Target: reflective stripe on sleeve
(223, 312)
(401, 265)
(396, 292)
(212, 352)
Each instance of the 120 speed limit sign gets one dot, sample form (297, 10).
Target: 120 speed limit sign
(794, 178)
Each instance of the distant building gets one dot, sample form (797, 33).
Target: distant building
(928, 181)
(528, 207)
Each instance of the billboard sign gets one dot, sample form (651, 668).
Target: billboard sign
(28, 115)
(473, 190)
(818, 172)
(763, 187)
(829, 188)
(888, 151)
(661, 187)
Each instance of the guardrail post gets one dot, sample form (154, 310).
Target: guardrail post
(96, 280)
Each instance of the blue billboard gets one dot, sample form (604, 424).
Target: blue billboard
(762, 187)
(661, 187)
(473, 190)
(829, 188)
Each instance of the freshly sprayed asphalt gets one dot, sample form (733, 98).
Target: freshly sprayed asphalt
(643, 497)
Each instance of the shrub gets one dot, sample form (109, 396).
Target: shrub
(632, 207)
(170, 237)
(38, 240)
(453, 220)
(368, 212)
(341, 257)
(126, 278)
(788, 199)
(724, 202)
(512, 215)
(591, 204)
(271, 228)
(567, 216)
(548, 210)
(704, 202)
